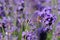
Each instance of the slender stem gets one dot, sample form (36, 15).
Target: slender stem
(3, 32)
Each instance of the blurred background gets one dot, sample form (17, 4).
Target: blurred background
(29, 19)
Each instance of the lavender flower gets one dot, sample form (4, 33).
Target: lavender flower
(30, 35)
(1, 36)
(11, 29)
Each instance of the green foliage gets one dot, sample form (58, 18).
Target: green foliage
(49, 36)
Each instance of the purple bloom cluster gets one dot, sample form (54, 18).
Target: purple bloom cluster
(47, 18)
(29, 35)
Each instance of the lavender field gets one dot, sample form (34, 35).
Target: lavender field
(29, 19)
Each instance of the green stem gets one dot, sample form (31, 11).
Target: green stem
(3, 30)
(20, 35)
